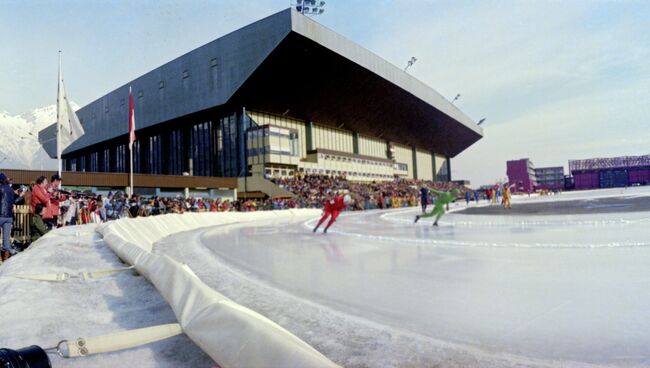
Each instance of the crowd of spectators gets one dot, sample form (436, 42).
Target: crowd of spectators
(53, 207)
(311, 190)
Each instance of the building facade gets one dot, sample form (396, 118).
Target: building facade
(521, 173)
(610, 172)
(550, 177)
(280, 96)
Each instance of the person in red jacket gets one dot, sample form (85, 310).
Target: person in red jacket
(334, 205)
(40, 195)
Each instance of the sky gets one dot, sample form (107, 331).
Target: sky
(555, 80)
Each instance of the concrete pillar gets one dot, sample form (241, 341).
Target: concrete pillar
(309, 139)
(434, 177)
(186, 193)
(448, 168)
(415, 163)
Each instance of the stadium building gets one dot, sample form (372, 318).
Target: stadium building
(610, 172)
(279, 96)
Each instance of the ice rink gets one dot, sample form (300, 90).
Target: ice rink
(501, 289)
(560, 281)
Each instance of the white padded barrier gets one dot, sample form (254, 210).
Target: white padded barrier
(233, 335)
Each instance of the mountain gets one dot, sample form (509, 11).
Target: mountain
(19, 147)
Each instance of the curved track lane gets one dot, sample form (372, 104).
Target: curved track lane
(500, 291)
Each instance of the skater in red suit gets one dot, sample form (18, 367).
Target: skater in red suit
(334, 205)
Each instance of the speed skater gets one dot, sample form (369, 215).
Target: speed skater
(333, 207)
(442, 199)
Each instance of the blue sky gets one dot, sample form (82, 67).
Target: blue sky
(555, 80)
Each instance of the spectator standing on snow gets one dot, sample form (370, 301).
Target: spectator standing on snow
(7, 199)
(41, 196)
(54, 190)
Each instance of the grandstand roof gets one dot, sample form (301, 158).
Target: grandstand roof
(288, 64)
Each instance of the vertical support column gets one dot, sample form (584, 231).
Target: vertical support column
(214, 144)
(309, 139)
(448, 168)
(187, 159)
(166, 143)
(242, 165)
(355, 143)
(415, 163)
(144, 154)
(434, 177)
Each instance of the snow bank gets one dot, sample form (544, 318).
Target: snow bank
(230, 333)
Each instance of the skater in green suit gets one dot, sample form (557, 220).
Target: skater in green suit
(442, 199)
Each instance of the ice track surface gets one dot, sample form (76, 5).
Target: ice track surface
(480, 290)
(378, 291)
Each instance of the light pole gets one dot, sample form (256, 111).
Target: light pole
(455, 98)
(481, 121)
(410, 62)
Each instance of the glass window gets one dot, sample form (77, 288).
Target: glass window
(94, 167)
(137, 167)
(175, 153)
(201, 148)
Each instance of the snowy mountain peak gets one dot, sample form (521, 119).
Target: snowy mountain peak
(19, 147)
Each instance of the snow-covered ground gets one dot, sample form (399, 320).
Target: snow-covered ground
(43, 313)
(377, 290)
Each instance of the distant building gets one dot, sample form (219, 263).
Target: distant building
(610, 172)
(550, 177)
(521, 173)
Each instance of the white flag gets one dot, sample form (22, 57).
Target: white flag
(69, 127)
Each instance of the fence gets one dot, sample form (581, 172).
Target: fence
(22, 223)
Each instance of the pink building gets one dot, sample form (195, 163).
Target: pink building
(522, 174)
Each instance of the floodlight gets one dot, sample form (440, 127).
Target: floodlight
(481, 121)
(410, 62)
(309, 7)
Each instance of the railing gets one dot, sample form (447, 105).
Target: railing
(22, 223)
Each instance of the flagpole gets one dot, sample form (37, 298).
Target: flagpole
(131, 170)
(58, 118)
(131, 117)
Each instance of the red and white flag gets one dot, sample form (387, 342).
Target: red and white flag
(131, 120)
